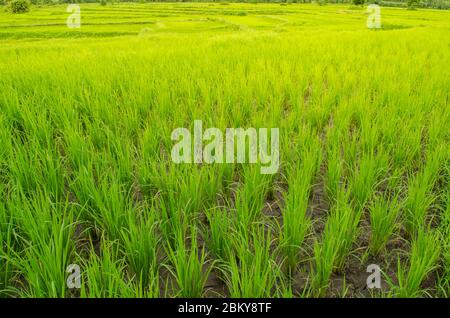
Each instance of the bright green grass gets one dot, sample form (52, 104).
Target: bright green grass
(85, 171)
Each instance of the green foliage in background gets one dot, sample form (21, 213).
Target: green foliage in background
(18, 6)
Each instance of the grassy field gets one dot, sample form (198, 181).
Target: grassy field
(86, 176)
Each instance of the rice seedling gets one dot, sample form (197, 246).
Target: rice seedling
(384, 218)
(324, 259)
(7, 241)
(296, 224)
(420, 196)
(366, 178)
(334, 174)
(250, 198)
(341, 230)
(189, 269)
(141, 242)
(46, 232)
(444, 279)
(218, 234)
(425, 251)
(252, 272)
(102, 275)
(107, 203)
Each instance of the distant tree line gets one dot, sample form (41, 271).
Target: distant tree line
(438, 4)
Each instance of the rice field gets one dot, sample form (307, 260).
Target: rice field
(87, 181)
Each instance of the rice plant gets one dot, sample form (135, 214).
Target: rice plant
(384, 218)
(296, 224)
(423, 259)
(252, 272)
(189, 267)
(341, 230)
